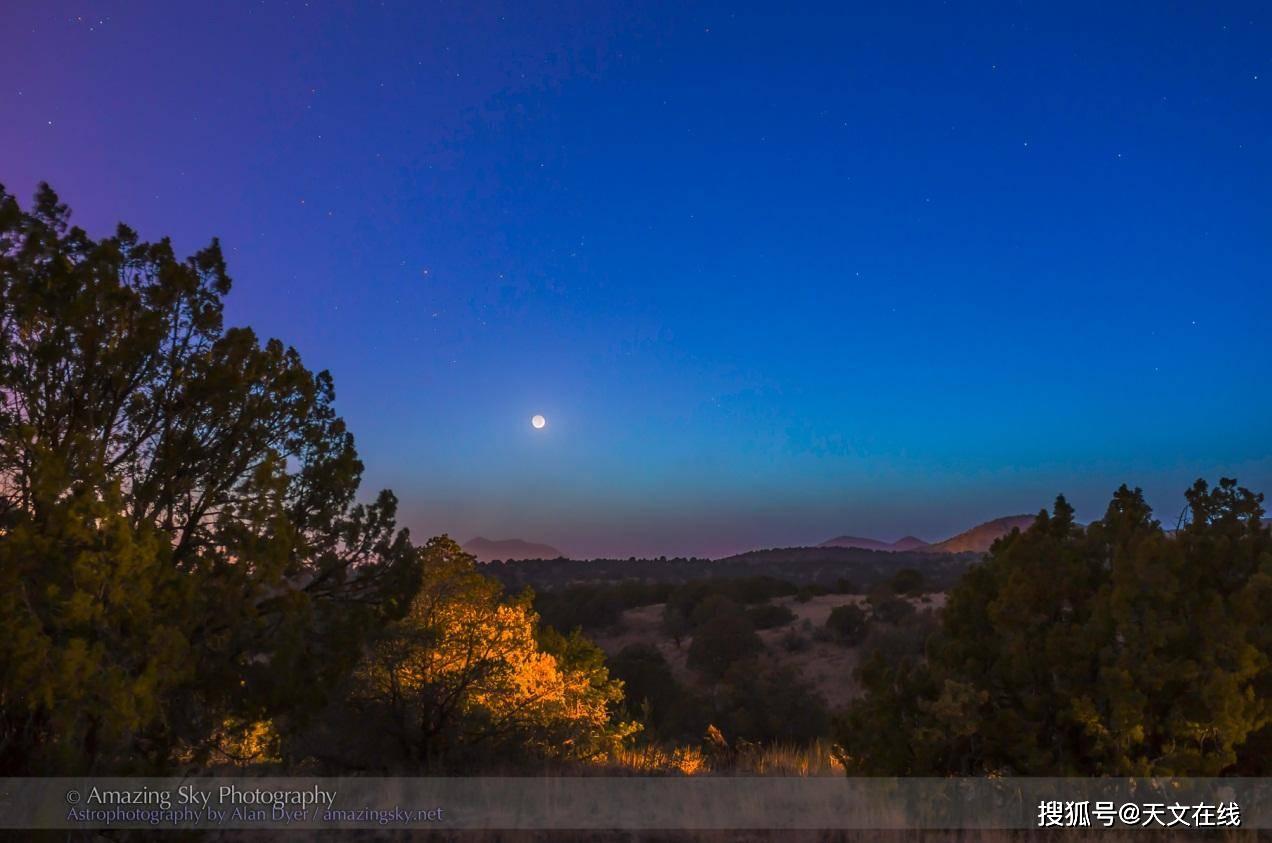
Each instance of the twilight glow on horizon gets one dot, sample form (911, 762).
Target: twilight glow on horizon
(757, 275)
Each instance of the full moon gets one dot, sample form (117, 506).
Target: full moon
(538, 422)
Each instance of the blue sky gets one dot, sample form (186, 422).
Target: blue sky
(772, 272)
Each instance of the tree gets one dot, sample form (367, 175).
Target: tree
(180, 551)
(908, 582)
(651, 687)
(1117, 649)
(467, 671)
(769, 616)
(724, 635)
(890, 608)
(843, 585)
(675, 623)
(848, 623)
(774, 704)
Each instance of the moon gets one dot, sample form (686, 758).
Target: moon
(538, 422)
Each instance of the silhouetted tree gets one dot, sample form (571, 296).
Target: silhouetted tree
(848, 623)
(909, 582)
(181, 557)
(675, 623)
(769, 616)
(723, 636)
(891, 609)
(1117, 649)
(650, 687)
(774, 704)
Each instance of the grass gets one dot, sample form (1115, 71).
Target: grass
(780, 759)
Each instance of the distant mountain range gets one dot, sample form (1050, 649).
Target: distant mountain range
(976, 540)
(907, 543)
(837, 550)
(488, 550)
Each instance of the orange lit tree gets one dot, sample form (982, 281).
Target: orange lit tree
(467, 671)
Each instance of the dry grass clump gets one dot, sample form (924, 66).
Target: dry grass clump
(655, 759)
(746, 759)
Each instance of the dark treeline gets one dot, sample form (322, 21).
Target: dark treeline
(595, 606)
(823, 566)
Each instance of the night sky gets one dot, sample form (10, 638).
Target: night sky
(771, 273)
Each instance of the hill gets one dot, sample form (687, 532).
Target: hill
(979, 538)
(909, 543)
(900, 545)
(488, 550)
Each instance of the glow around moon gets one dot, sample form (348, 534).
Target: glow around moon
(538, 422)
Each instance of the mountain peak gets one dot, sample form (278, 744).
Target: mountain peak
(979, 538)
(907, 543)
(488, 550)
(976, 540)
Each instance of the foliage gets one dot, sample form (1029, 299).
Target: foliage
(824, 566)
(908, 638)
(683, 613)
(908, 582)
(668, 709)
(467, 671)
(1118, 649)
(179, 546)
(808, 592)
(743, 590)
(794, 641)
(596, 606)
(769, 616)
(848, 623)
(890, 608)
(843, 585)
(765, 705)
(723, 636)
(675, 623)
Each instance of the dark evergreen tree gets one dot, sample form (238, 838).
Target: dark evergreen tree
(181, 555)
(1118, 649)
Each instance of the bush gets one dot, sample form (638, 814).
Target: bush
(769, 616)
(795, 642)
(768, 705)
(847, 623)
(715, 605)
(744, 590)
(808, 592)
(846, 586)
(468, 677)
(650, 687)
(722, 641)
(892, 610)
(675, 623)
(909, 582)
(906, 639)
